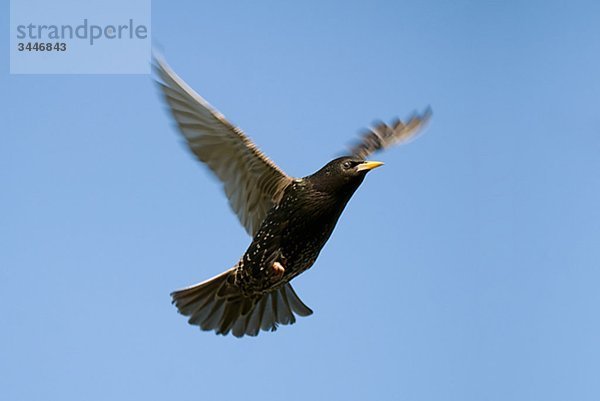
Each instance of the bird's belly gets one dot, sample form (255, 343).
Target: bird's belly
(280, 252)
(271, 271)
(302, 247)
(269, 264)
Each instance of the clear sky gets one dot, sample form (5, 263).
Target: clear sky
(465, 269)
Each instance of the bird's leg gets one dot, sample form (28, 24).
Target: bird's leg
(275, 266)
(278, 267)
(278, 270)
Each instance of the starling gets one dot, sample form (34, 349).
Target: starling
(289, 219)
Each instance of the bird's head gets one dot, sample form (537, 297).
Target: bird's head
(343, 173)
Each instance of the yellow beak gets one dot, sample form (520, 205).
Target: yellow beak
(367, 165)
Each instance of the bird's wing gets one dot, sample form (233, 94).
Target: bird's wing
(252, 182)
(382, 136)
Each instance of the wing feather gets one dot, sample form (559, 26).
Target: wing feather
(252, 182)
(382, 136)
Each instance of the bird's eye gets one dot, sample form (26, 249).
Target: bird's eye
(347, 165)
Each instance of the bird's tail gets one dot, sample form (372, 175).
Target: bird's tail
(217, 304)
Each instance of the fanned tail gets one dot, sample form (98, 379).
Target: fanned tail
(217, 304)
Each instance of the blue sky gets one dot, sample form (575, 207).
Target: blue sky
(465, 269)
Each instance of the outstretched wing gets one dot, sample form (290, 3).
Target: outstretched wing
(383, 136)
(252, 182)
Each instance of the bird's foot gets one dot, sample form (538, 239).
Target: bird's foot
(278, 270)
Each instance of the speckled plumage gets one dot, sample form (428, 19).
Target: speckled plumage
(289, 219)
(293, 233)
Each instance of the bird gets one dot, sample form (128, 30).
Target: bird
(289, 219)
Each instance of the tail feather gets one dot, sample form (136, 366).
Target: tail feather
(255, 317)
(269, 314)
(241, 325)
(284, 313)
(231, 317)
(296, 304)
(214, 317)
(195, 298)
(218, 305)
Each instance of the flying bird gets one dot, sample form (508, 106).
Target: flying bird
(289, 219)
